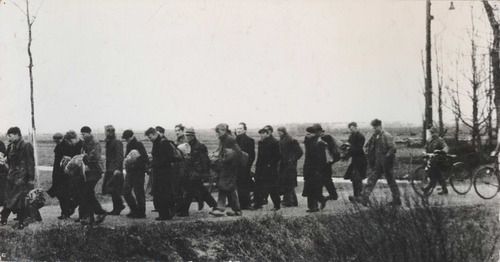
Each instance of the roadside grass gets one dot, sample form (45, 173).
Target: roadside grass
(378, 233)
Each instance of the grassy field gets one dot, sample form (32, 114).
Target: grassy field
(380, 233)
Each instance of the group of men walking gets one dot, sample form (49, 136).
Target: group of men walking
(179, 168)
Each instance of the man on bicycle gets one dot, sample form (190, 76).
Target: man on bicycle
(438, 146)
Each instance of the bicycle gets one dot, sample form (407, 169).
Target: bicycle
(487, 181)
(455, 172)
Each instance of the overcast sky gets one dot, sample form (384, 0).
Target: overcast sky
(136, 64)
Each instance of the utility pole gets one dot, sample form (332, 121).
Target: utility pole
(428, 72)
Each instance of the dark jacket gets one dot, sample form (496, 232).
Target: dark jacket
(142, 162)
(92, 157)
(358, 158)
(290, 153)
(228, 164)
(21, 160)
(247, 145)
(268, 156)
(197, 162)
(313, 163)
(380, 148)
(163, 157)
(114, 162)
(3, 174)
(59, 178)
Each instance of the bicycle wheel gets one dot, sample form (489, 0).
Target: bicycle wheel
(460, 178)
(486, 183)
(419, 181)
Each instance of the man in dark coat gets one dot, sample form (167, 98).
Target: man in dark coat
(89, 205)
(438, 162)
(197, 166)
(329, 154)
(381, 154)
(20, 178)
(61, 182)
(163, 176)
(3, 172)
(290, 153)
(113, 178)
(228, 153)
(356, 171)
(244, 180)
(134, 180)
(313, 164)
(266, 170)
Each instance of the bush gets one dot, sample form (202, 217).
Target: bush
(379, 233)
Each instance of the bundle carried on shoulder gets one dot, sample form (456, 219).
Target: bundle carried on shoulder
(185, 149)
(75, 166)
(131, 158)
(36, 198)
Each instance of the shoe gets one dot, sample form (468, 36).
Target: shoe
(139, 216)
(351, 198)
(361, 200)
(131, 214)
(234, 213)
(444, 192)
(100, 218)
(395, 202)
(162, 218)
(216, 213)
(312, 210)
(322, 204)
(201, 204)
(154, 210)
(249, 207)
(275, 209)
(77, 220)
(332, 197)
(183, 214)
(116, 212)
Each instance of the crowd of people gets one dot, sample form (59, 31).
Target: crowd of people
(178, 169)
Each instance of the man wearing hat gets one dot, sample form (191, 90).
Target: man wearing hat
(329, 153)
(197, 166)
(266, 170)
(134, 179)
(312, 171)
(381, 154)
(290, 153)
(113, 179)
(436, 145)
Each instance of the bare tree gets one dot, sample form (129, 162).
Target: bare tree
(494, 56)
(30, 21)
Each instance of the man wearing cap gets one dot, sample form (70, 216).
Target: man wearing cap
(134, 179)
(163, 157)
(312, 176)
(244, 180)
(266, 170)
(197, 166)
(113, 178)
(356, 171)
(228, 152)
(381, 154)
(20, 177)
(329, 154)
(290, 153)
(438, 146)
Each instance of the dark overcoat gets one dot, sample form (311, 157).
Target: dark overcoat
(140, 166)
(290, 153)
(247, 145)
(92, 158)
(3, 174)
(21, 161)
(359, 163)
(60, 180)
(268, 156)
(114, 162)
(313, 163)
(197, 162)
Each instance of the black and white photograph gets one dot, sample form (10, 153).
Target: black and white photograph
(236, 130)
